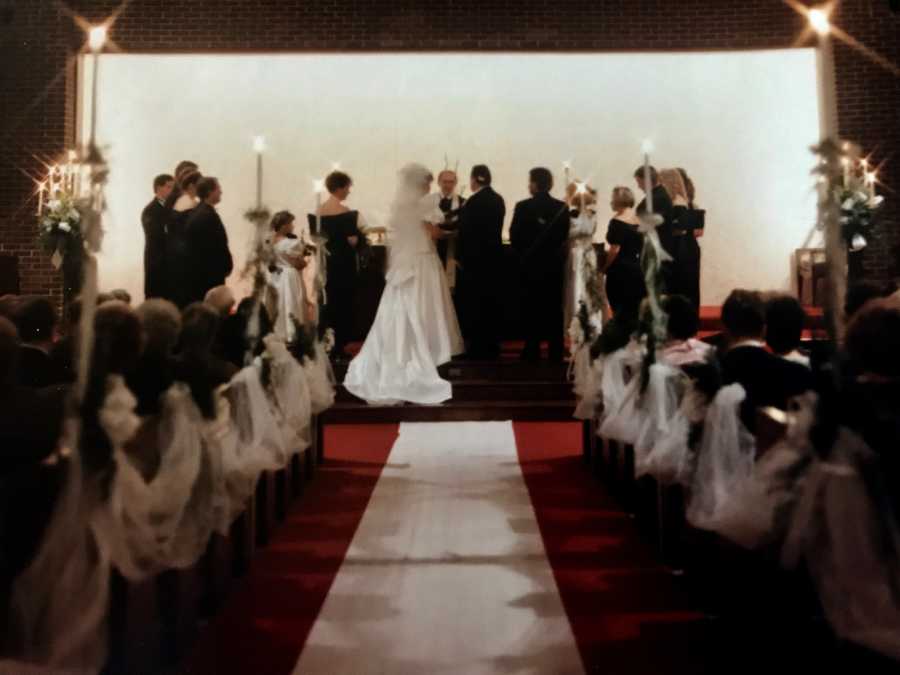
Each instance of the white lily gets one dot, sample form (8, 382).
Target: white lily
(876, 201)
(65, 227)
(848, 204)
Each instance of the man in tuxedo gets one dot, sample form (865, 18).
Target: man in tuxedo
(480, 254)
(539, 232)
(154, 220)
(208, 256)
(769, 380)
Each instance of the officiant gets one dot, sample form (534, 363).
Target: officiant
(539, 233)
(449, 202)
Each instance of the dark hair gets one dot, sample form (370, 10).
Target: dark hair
(872, 338)
(188, 179)
(654, 175)
(281, 219)
(184, 166)
(161, 180)
(118, 337)
(481, 174)
(744, 314)
(9, 304)
(337, 180)
(542, 179)
(206, 187)
(859, 294)
(9, 351)
(683, 317)
(121, 294)
(785, 319)
(35, 319)
(688, 185)
(199, 324)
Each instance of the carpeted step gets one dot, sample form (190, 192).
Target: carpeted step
(454, 411)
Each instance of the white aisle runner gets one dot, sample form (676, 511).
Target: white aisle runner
(447, 572)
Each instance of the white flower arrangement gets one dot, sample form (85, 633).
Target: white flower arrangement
(59, 227)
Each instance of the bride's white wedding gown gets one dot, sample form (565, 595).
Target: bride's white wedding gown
(415, 329)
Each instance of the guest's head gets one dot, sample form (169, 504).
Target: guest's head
(785, 319)
(338, 185)
(480, 177)
(221, 298)
(161, 322)
(859, 294)
(9, 306)
(688, 184)
(540, 180)
(9, 353)
(283, 223)
(199, 324)
(188, 182)
(683, 320)
(622, 199)
(872, 338)
(163, 185)
(672, 181)
(744, 315)
(36, 320)
(121, 295)
(118, 338)
(209, 191)
(447, 181)
(639, 178)
(103, 297)
(185, 166)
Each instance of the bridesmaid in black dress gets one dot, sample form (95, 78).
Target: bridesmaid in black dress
(685, 249)
(178, 275)
(341, 227)
(624, 280)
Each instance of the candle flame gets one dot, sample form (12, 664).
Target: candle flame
(318, 185)
(335, 166)
(96, 38)
(259, 144)
(819, 21)
(580, 188)
(72, 155)
(647, 146)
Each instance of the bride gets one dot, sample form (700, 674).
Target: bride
(415, 329)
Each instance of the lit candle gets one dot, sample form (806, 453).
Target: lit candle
(647, 148)
(259, 146)
(318, 187)
(54, 183)
(70, 172)
(870, 183)
(845, 163)
(567, 169)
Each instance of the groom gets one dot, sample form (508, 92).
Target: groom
(480, 255)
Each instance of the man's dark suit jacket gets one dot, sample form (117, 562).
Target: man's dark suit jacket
(154, 219)
(539, 232)
(208, 255)
(769, 380)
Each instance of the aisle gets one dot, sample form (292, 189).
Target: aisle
(455, 548)
(447, 572)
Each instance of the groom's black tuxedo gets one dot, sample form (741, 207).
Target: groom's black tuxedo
(539, 232)
(154, 219)
(480, 255)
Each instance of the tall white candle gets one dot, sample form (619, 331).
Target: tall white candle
(259, 146)
(317, 186)
(647, 147)
(41, 187)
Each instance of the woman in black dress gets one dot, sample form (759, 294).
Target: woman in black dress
(179, 270)
(624, 280)
(345, 240)
(685, 228)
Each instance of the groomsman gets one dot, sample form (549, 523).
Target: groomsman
(480, 251)
(539, 232)
(154, 219)
(208, 257)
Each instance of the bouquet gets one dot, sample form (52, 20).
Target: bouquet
(59, 228)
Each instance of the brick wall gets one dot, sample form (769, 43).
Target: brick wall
(36, 106)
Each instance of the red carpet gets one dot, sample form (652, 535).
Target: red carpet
(627, 613)
(267, 618)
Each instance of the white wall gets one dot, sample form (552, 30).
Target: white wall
(740, 122)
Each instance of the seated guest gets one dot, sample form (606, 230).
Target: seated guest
(785, 319)
(36, 321)
(767, 379)
(30, 427)
(682, 347)
(859, 294)
(121, 295)
(155, 370)
(221, 299)
(196, 365)
(9, 305)
(232, 343)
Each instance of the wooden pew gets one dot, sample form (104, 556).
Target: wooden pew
(265, 507)
(135, 627)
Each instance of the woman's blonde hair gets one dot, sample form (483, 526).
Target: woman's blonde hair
(672, 181)
(622, 198)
